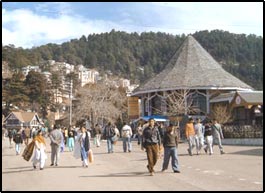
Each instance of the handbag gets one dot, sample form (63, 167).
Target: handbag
(90, 156)
(28, 151)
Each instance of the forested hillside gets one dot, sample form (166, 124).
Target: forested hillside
(140, 56)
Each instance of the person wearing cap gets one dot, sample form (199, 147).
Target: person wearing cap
(39, 151)
(190, 135)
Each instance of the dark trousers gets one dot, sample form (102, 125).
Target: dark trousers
(152, 156)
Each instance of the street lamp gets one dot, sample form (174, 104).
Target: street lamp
(71, 90)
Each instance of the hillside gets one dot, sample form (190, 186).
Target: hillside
(140, 56)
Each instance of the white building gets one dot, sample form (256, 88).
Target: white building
(87, 75)
(125, 83)
(27, 69)
(48, 76)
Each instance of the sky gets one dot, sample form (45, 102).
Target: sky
(33, 24)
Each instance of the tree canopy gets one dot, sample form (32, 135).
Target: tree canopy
(140, 56)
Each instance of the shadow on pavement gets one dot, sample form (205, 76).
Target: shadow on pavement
(20, 167)
(30, 168)
(3, 155)
(131, 174)
(19, 171)
(255, 152)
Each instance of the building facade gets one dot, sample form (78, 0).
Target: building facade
(191, 78)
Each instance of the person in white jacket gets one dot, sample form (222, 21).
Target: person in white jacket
(199, 135)
(126, 134)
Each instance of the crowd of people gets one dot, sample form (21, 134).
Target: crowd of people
(155, 139)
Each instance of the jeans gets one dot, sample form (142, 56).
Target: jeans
(109, 145)
(170, 152)
(191, 142)
(127, 140)
(84, 156)
(217, 139)
(17, 148)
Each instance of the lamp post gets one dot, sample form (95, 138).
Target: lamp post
(71, 90)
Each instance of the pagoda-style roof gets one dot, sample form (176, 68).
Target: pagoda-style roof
(192, 67)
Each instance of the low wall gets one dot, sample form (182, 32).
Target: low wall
(245, 141)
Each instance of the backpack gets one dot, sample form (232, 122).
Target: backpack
(112, 131)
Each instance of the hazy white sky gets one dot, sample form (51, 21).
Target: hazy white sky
(38, 23)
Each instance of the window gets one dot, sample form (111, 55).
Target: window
(199, 103)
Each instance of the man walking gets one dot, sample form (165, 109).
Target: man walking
(126, 137)
(217, 135)
(190, 135)
(199, 135)
(151, 141)
(56, 139)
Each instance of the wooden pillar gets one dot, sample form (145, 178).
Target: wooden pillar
(207, 102)
(148, 105)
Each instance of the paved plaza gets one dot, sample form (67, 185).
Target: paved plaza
(241, 168)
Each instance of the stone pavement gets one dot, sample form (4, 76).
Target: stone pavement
(241, 168)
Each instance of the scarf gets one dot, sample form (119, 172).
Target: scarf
(40, 139)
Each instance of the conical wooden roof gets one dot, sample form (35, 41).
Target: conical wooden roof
(192, 67)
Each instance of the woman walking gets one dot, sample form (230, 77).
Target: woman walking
(84, 140)
(39, 152)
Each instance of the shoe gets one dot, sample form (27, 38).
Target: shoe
(205, 150)
(87, 166)
(176, 171)
(56, 164)
(189, 151)
(129, 151)
(152, 173)
(163, 170)
(34, 167)
(51, 164)
(41, 168)
(148, 168)
(222, 152)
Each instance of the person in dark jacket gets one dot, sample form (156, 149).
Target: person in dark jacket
(18, 140)
(170, 142)
(151, 141)
(208, 136)
(108, 133)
